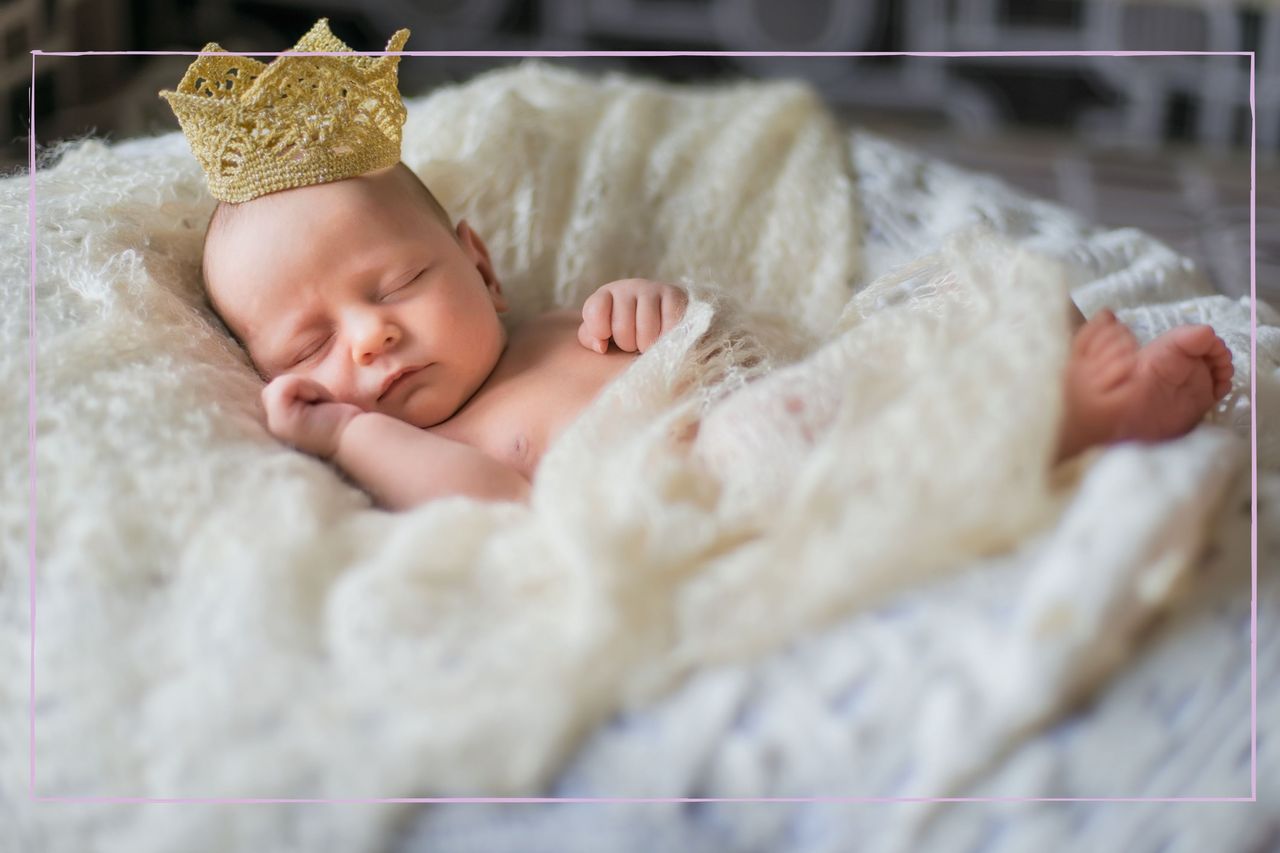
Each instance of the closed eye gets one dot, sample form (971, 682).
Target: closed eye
(309, 352)
(406, 284)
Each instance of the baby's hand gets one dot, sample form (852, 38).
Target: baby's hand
(302, 412)
(633, 311)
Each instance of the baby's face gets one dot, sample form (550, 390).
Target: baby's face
(352, 282)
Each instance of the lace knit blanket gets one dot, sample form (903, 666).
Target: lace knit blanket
(220, 616)
(876, 705)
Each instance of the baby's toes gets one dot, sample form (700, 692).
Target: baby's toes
(1219, 354)
(1195, 341)
(1222, 375)
(1220, 367)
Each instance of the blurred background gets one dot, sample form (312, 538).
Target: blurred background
(1160, 143)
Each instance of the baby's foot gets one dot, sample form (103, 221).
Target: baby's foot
(1118, 391)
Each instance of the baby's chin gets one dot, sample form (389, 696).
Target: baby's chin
(422, 414)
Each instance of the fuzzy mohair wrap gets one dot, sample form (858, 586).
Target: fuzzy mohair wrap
(222, 616)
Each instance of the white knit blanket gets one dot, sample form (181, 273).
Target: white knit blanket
(854, 711)
(219, 616)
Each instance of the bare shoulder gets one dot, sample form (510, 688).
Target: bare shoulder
(554, 324)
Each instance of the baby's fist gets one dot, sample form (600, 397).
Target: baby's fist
(302, 412)
(635, 312)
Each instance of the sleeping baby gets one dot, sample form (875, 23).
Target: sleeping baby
(376, 322)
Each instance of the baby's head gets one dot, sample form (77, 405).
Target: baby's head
(350, 282)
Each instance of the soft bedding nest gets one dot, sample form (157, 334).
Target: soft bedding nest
(887, 594)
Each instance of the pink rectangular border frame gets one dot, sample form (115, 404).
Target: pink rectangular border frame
(1253, 442)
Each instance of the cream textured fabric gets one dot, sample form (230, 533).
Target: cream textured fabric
(949, 682)
(220, 616)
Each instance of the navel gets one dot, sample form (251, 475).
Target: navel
(519, 450)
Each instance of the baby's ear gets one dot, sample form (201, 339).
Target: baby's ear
(499, 301)
(469, 240)
(478, 252)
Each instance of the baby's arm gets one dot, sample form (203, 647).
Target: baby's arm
(403, 466)
(398, 463)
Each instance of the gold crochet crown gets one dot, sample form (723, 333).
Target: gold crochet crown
(301, 120)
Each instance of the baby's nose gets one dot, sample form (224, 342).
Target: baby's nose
(373, 344)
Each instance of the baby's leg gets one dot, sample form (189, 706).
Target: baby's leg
(1118, 391)
(756, 438)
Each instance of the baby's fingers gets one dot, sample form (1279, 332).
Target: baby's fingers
(648, 321)
(590, 341)
(310, 391)
(624, 322)
(658, 314)
(287, 393)
(597, 318)
(674, 301)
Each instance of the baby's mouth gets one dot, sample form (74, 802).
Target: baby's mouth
(397, 379)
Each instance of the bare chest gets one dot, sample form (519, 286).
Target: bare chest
(542, 383)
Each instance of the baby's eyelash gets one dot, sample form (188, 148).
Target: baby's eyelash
(406, 284)
(310, 352)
